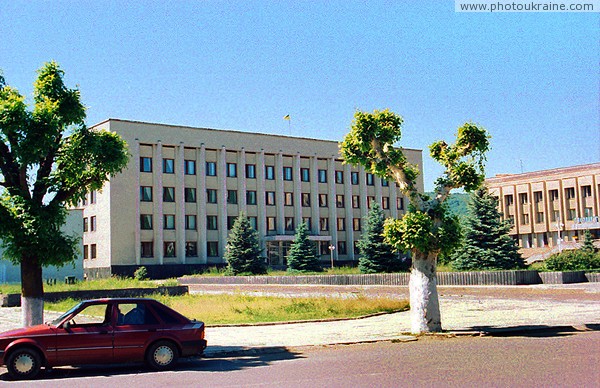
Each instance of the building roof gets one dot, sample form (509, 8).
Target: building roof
(584, 169)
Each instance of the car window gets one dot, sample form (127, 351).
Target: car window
(134, 314)
(95, 314)
(66, 314)
(165, 316)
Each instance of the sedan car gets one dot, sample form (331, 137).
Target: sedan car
(104, 331)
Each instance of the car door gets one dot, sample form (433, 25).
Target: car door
(135, 326)
(87, 338)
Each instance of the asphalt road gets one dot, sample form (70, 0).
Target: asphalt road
(528, 359)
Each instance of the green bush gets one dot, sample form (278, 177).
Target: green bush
(576, 260)
(140, 273)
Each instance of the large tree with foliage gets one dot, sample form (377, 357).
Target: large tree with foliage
(426, 230)
(48, 159)
(301, 256)
(376, 255)
(243, 253)
(486, 243)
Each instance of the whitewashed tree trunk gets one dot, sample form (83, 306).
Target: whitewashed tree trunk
(32, 311)
(424, 302)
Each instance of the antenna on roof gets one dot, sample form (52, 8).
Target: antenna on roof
(521, 163)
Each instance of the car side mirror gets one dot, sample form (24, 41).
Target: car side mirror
(67, 325)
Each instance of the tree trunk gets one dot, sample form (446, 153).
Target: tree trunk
(32, 292)
(424, 303)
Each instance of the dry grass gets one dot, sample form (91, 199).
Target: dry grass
(240, 308)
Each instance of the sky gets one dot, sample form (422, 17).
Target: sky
(531, 79)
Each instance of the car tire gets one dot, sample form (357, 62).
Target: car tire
(24, 363)
(162, 355)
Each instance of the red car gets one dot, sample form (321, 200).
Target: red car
(102, 331)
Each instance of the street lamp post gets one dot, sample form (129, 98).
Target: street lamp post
(559, 227)
(331, 249)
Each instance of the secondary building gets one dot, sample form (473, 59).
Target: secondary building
(172, 208)
(550, 206)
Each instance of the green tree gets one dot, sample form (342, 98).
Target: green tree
(301, 256)
(486, 243)
(48, 159)
(426, 230)
(588, 242)
(376, 254)
(243, 253)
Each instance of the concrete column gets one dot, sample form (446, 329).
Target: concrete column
(332, 204)
(297, 191)
(279, 222)
(364, 192)
(314, 195)
(201, 204)
(222, 199)
(157, 199)
(180, 201)
(137, 237)
(393, 190)
(349, 212)
(260, 197)
(242, 181)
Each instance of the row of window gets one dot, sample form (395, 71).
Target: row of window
(571, 214)
(586, 191)
(89, 224)
(231, 171)
(146, 223)
(251, 198)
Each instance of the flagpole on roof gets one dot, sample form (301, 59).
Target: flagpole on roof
(289, 120)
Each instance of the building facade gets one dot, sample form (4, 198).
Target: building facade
(550, 206)
(172, 208)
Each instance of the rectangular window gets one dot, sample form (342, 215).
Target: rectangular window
(370, 201)
(168, 194)
(146, 194)
(211, 196)
(308, 222)
(586, 191)
(305, 175)
(93, 251)
(288, 199)
(341, 225)
(211, 222)
(232, 197)
(251, 171)
(289, 224)
(508, 200)
(270, 198)
(322, 176)
(385, 183)
(169, 221)
(339, 177)
(537, 196)
(570, 192)
(270, 224)
(342, 248)
(523, 200)
(168, 166)
(145, 164)
(253, 222)
(251, 197)
(93, 196)
(588, 212)
(85, 224)
(356, 201)
(231, 170)
(287, 174)
(86, 255)
(339, 201)
(92, 223)
(191, 249)
(190, 222)
(553, 195)
(555, 215)
(212, 248)
(539, 217)
(189, 167)
(354, 177)
(190, 194)
(356, 224)
(147, 249)
(146, 221)
(356, 248)
(230, 222)
(525, 219)
(270, 172)
(324, 248)
(370, 179)
(306, 199)
(323, 224)
(211, 169)
(385, 203)
(169, 249)
(571, 214)
(400, 203)
(322, 200)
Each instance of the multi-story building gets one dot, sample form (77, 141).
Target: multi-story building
(549, 206)
(171, 209)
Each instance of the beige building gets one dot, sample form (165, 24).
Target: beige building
(551, 205)
(172, 207)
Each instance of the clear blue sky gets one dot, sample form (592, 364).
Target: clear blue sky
(531, 79)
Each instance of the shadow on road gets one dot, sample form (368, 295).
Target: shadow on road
(539, 331)
(221, 360)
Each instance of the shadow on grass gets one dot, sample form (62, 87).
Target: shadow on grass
(220, 359)
(535, 331)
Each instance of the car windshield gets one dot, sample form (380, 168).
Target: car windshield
(63, 316)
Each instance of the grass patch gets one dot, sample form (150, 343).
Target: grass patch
(214, 271)
(240, 308)
(96, 284)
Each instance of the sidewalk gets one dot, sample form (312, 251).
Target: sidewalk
(464, 309)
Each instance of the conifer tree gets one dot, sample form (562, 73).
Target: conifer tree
(301, 256)
(376, 254)
(243, 253)
(486, 243)
(588, 242)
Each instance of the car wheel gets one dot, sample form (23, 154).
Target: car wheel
(24, 363)
(162, 355)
